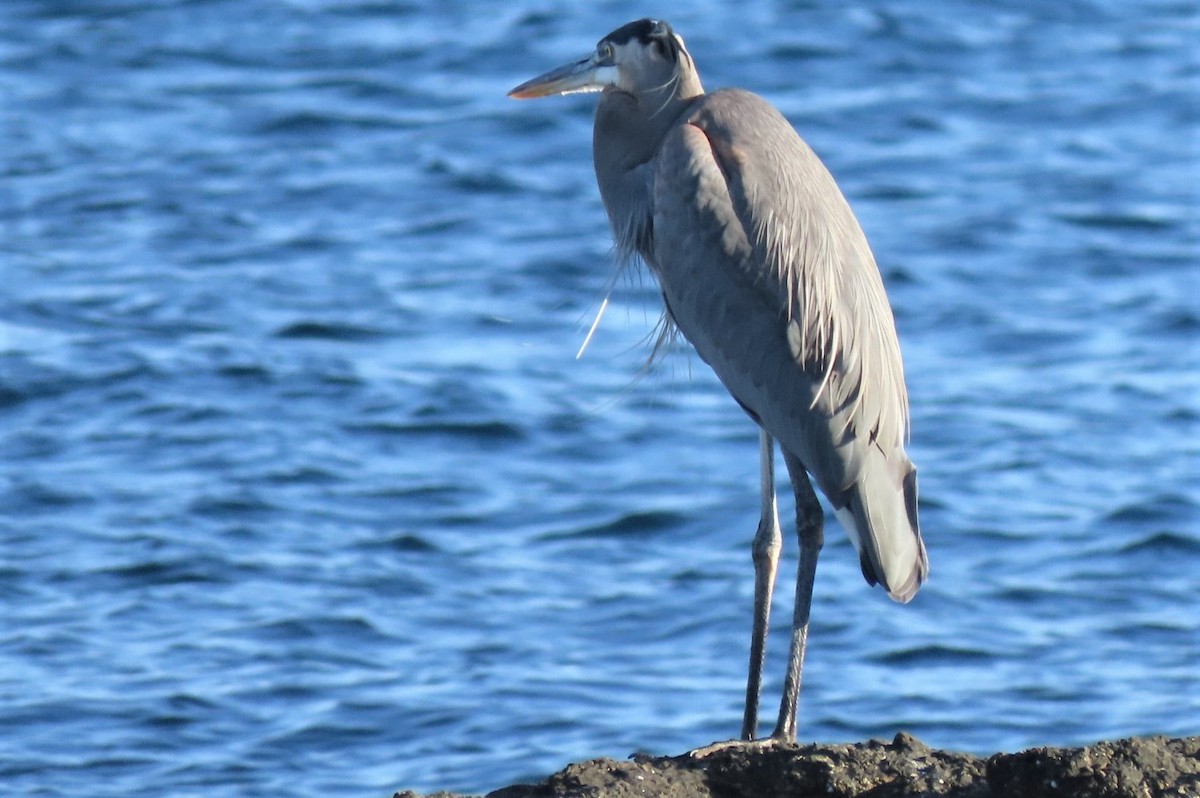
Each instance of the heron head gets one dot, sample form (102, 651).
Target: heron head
(642, 57)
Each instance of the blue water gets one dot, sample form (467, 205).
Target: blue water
(303, 491)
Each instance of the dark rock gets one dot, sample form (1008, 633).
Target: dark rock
(1151, 767)
(1142, 767)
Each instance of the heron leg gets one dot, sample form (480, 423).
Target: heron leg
(810, 522)
(768, 541)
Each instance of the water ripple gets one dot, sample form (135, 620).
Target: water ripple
(304, 490)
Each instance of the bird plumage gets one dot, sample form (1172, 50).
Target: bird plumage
(765, 270)
(767, 273)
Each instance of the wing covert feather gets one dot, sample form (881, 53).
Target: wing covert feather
(768, 274)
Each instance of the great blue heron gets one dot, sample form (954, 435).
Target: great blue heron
(765, 270)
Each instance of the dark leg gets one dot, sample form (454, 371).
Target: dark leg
(767, 543)
(810, 521)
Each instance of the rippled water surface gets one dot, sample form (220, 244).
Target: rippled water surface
(302, 490)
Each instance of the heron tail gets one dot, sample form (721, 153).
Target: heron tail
(880, 515)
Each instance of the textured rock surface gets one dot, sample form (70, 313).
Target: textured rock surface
(1150, 767)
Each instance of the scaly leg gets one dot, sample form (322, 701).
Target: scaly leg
(810, 520)
(768, 541)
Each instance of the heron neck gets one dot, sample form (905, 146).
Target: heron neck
(689, 85)
(628, 132)
(629, 128)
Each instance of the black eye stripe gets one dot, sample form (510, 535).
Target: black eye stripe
(639, 30)
(650, 32)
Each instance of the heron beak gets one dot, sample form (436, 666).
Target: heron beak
(581, 76)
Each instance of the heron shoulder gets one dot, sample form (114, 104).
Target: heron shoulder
(775, 216)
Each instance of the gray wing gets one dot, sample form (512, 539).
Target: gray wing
(767, 273)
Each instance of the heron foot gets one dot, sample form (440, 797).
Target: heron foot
(762, 743)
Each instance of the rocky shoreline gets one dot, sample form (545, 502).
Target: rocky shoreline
(1139, 767)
